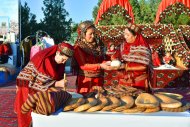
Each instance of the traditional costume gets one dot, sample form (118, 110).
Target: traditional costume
(134, 55)
(88, 56)
(40, 74)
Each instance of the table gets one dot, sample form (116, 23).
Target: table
(109, 119)
(170, 78)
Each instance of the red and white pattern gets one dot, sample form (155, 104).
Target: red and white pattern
(36, 79)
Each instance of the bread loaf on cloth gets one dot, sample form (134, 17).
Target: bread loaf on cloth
(167, 102)
(74, 103)
(114, 103)
(90, 102)
(102, 102)
(126, 103)
(146, 100)
(183, 108)
(46, 102)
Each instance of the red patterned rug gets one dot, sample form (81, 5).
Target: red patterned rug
(7, 116)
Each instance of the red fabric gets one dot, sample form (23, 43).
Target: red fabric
(63, 44)
(106, 4)
(155, 59)
(45, 64)
(128, 77)
(138, 41)
(109, 54)
(1, 49)
(88, 63)
(24, 120)
(165, 3)
(7, 49)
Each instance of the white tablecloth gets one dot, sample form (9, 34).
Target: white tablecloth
(108, 119)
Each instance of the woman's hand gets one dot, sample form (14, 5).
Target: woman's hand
(61, 83)
(106, 66)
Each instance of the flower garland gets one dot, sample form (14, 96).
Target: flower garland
(117, 10)
(177, 9)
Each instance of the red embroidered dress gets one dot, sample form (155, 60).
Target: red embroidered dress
(88, 56)
(134, 55)
(39, 75)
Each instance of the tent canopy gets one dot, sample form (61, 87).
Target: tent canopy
(106, 4)
(165, 3)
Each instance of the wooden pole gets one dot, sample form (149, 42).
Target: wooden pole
(64, 77)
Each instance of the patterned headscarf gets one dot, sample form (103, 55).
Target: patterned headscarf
(66, 49)
(82, 28)
(95, 48)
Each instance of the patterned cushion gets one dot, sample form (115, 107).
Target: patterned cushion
(46, 102)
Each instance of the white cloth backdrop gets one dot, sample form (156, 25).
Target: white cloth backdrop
(109, 119)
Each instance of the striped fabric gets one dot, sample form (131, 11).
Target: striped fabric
(46, 102)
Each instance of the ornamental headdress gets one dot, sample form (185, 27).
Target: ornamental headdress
(66, 49)
(133, 27)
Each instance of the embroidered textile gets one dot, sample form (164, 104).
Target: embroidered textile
(35, 78)
(138, 54)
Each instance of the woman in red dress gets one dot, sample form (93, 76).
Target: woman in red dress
(135, 54)
(45, 70)
(89, 55)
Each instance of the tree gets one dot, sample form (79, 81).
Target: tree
(144, 12)
(95, 10)
(55, 23)
(154, 8)
(74, 33)
(28, 22)
(33, 24)
(136, 10)
(25, 25)
(176, 20)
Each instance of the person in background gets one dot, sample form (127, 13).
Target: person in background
(89, 59)
(169, 59)
(135, 54)
(44, 71)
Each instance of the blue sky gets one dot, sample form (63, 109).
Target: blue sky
(79, 10)
(9, 8)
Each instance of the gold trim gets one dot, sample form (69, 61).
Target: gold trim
(67, 51)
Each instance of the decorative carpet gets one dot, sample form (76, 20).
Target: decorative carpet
(7, 116)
